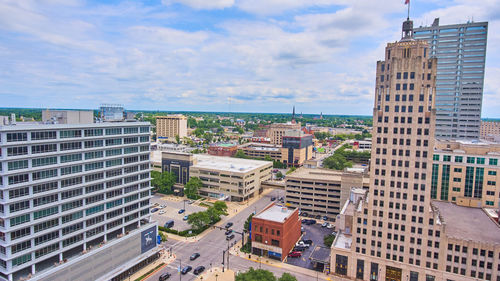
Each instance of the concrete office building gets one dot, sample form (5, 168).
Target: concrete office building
(233, 178)
(466, 173)
(490, 130)
(223, 149)
(67, 116)
(261, 150)
(461, 52)
(111, 112)
(275, 230)
(69, 192)
(398, 233)
(277, 130)
(167, 127)
(321, 192)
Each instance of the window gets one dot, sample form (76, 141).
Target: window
(43, 135)
(19, 220)
(458, 159)
(17, 165)
(45, 213)
(70, 134)
(71, 158)
(14, 137)
(113, 131)
(46, 225)
(493, 161)
(20, 192)
(43, 148)
(93, 132)
(17, 150)
(70, 146)
(37, 162)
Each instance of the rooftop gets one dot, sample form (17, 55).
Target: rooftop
(24, 126)
(321, 254)
(227, 164)
(277, 213)
(324, 174)
(468, 223)
(342, 241)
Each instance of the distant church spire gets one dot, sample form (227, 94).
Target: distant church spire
(293, 114)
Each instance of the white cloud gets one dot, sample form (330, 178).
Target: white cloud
(202, 4)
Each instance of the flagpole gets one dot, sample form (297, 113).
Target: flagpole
(408, 9)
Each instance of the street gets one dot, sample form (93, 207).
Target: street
(211, 245)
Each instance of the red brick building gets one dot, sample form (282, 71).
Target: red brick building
(225, 149)
(275, 230)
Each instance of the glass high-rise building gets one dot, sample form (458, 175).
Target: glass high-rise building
(460, 50)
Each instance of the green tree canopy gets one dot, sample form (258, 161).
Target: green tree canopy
(163, 182)
(337, 162)
(220, 206)
(256, 275)
(279, 175)
(328, 240)
(199, 219)
(192, 186)
(240, 154)
(292, 169)
(287, 277)
(247, 222)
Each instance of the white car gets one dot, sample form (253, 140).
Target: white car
(301, 243)
(161, 212)
(329, 226)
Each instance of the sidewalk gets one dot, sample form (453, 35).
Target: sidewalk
(165, 258)
(233, 209)
(216, 274)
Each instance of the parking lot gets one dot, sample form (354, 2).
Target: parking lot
(171, 212)
(313, 232)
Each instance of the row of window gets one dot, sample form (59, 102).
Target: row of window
(469, 159)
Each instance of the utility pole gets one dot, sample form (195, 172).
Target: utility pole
(180, 268)
(223, 258)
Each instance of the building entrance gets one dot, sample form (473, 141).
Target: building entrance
(393, 274)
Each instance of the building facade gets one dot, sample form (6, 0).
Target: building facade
(67, 116)
(170, 126)
(232, 178)
(461, 52)
(490, 130)
(296, 148)
(177, 163)
(398, 233)
(466, 173)
(223, 149)
(321, 192)
(274, 231)
(67, 189)
(276, 131)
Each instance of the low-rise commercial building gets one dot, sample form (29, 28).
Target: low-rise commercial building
(67, 116)
(233, 178)
(489, 130)
(170, 126)
(261, 150)
(274, 231)
(466, 173)
(223, 149)
(322, 192)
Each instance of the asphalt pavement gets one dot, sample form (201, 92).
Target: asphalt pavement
(313, 232)
(171, 212)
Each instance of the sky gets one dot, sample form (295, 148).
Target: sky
(216, 55)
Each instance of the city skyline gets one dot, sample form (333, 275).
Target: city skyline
(167, 56)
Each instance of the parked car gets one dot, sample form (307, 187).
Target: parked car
(156, 204)
(190, 202)
(318, 217)
(186, 269)
(154, 210)
(228, 232)
(325, 224)
(304, 214)
(273, 198)
(169, 224)
(181, 211)
(275, 170)
(161, 212)
(325, 218)
(312, 221)
(295, 254)
(185, 218)
(301, 243)
(194, 256)
(308, 241)
(198, 270)
(164, 276)
(230, 236)
(281, 199)
(299, 248)
(229, 224)
(301, 229)
(330, 226)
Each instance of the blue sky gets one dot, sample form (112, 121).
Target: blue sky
(215, 55)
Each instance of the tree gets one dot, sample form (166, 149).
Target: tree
(199, 219)
(292, 169)
(328, 240)
(240, 154)
(248, 221)
(220, 206)
(163, 182)
(192, 186)
(287, 277)
(213, 214)
(337, 162)
(256, 275)
(268, 158)
(177, 139)
(279, 175)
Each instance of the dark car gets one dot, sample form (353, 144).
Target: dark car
(304, 214)
(154, 210)
(299, 248)
(325, 218)
(169, 224)
(198, 270)
(318, 217)
(230, 236)
(164, 276)
(312, 221)
(186, 269)
(295, 254)
(229, 224)
(273, 198)
(181, 211)
(228, 232)
(194, 256)
(308, 241)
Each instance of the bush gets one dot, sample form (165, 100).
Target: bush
(328, 240)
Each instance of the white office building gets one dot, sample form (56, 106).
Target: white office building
(74, 200)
